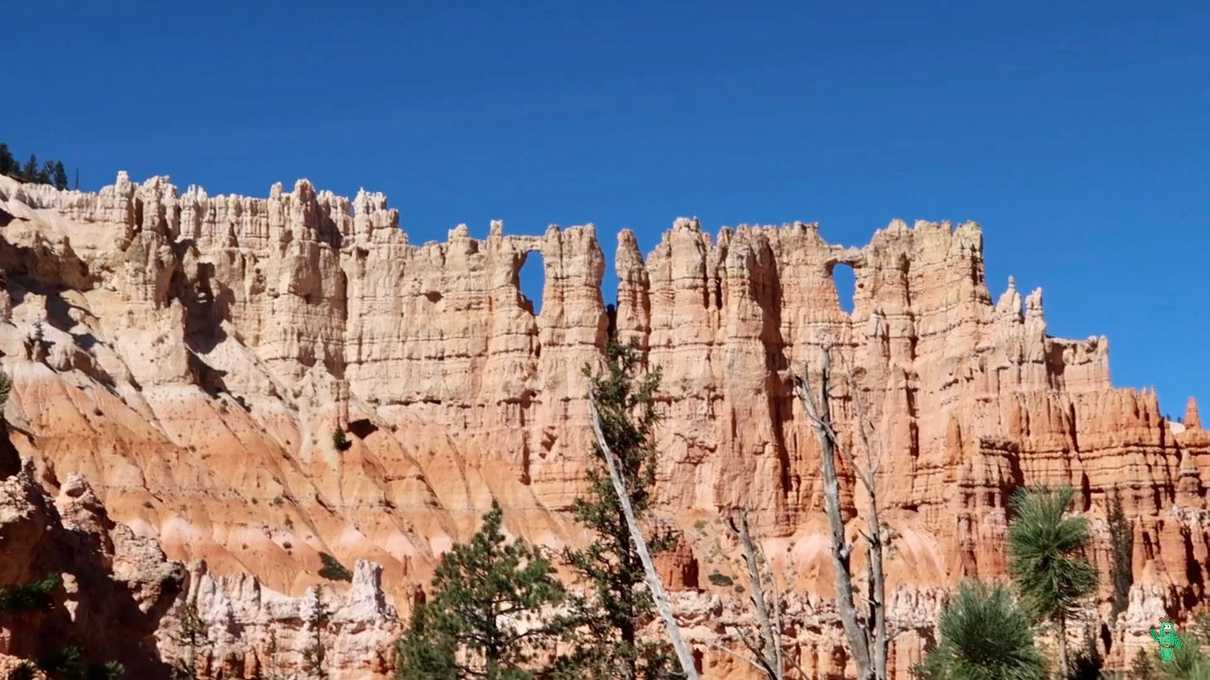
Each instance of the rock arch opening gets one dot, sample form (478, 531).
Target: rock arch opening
(845, 279)
(532, 281)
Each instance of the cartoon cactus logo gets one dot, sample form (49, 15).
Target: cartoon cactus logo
(1168, 640)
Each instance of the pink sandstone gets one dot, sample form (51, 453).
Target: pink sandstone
(190, 355)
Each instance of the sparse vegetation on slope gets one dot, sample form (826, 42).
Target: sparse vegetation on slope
(333, 570)
(29, 597)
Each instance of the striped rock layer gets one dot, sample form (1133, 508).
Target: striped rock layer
(191, 355)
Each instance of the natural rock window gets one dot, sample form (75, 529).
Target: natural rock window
(845, 280)
(532, 279)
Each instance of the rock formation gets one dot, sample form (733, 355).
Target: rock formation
(254, 632)
(191, 355)
(115, 586)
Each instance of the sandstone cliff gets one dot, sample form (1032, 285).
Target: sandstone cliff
(115, 586)
(191, 355)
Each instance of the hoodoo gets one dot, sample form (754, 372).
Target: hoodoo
(180, 362)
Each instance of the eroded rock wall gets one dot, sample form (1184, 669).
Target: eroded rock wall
(191, 356)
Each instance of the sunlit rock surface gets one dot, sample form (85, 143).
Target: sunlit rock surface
(190, 356)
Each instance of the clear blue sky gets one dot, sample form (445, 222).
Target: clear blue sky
(1078, 134)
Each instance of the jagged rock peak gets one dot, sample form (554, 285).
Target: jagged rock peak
(1193, 419)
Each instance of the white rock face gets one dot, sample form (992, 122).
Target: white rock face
(253, 631)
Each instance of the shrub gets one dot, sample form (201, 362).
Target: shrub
(333, 570)
(36, 596)
(1189, 663)
(339, 440)
(111, 670)
(192, 636)
(720, 580)
(67, 663)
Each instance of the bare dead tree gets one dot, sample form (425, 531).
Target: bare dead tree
(766, 649)
(867, 633)
(653, 579)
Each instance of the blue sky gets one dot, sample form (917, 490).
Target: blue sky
(1078, 134)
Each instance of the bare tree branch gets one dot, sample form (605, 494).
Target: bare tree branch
(867, 635)
(769, 652)
(865, 427)
(640, 544)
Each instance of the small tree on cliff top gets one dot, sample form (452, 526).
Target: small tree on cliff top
(491, 610)
(618, 605)
(58, 175)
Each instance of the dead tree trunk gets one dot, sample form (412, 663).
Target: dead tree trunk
(768, 652)
(640, 544)
(867, 634)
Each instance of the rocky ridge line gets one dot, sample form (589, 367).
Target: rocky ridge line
(190, 355)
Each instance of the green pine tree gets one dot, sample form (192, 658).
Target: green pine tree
(1045, 558)
(984, 636)
(618, 604)
(315, 655)
(70, 663)
(8, 164)
(29, 173)
(429, 649)
(493, 610)
(59, 175)
(1121, 546)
